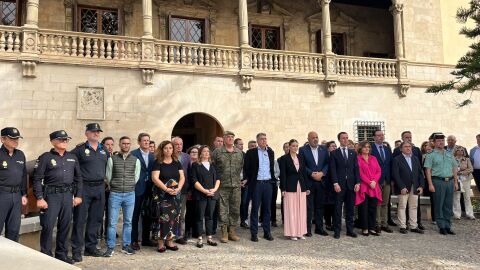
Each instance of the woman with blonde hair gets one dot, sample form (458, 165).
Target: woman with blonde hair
(465, 177)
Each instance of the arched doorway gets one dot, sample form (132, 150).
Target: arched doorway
(197, 128)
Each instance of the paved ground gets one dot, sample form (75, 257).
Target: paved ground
(389, 251)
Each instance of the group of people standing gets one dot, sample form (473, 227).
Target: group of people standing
(177, 194)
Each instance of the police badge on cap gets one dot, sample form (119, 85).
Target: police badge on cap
(94, 127)
(11, 132)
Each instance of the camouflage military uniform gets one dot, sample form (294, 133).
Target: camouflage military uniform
(229, 165)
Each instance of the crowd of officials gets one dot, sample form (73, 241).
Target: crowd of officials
(175, 195)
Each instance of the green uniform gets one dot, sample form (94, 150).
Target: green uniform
(229, 166)
(442, 165)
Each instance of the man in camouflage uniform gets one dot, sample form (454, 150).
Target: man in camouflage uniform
(228, 161)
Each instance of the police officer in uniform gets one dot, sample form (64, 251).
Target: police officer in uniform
(13, 183)
(88, 217)
(441, 172)
(57, 185)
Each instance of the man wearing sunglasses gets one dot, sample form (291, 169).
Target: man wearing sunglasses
(57, 185)
(13, 183)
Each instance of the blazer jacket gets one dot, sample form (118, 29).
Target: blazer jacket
(385, 165)
(251, 165)
(311, 166)
(344, 172)
(289, 176)
(405, 177)
(206, 178)
(144, 183)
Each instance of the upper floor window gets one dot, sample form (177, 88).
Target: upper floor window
(10, 12)
(187, 29)
(265, 37)
(364, 129)
(339, 43)
(98, 20)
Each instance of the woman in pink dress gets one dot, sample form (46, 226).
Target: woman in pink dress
(294, 192)
(369, 195)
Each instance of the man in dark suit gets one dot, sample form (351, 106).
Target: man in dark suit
(407, 137)
(259, 170)
(345, 177)
(143, 189)
(407, 173)
(384, 157)
(316, 164)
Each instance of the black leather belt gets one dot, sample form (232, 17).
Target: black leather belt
(445, 179)
(93, 183)
(269, 181)
(58, 189)
(10, 189)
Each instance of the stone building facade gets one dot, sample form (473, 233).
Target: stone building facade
(197, 67)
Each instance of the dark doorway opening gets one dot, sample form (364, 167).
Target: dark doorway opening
(197, 128)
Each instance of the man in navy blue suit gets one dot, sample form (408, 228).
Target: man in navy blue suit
(316, 163)
(345, 175)
(383, 154)
(143, 189)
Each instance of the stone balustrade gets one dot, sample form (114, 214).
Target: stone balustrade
(67, 47)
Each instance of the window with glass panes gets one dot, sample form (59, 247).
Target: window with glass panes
(338, 43)
(98, 20)
(10, 12)
(364, 129)
(187, 29)
(265, 37)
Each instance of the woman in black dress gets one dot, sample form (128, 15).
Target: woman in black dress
(168, 178)
(206, 183)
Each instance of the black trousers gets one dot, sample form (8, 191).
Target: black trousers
(10, 214)
(346, 197)
(315, 207)
(328, 212)
(204, 210)
(190, 218)
(273, 205)
(104, 227)
(216, 214)
(59, 211)
(244, 204)
(146, 221)
(367, 212)
(87, 218)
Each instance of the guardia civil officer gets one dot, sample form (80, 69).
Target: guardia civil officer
(88, 217)
(57, 185)
(13, 183)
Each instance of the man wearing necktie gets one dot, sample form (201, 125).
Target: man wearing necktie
(345, 176)
(383, 154)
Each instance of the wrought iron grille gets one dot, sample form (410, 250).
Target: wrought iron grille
(364, 129)
(99, 21)
(8, 12)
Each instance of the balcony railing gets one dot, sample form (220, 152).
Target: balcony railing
(105, 50)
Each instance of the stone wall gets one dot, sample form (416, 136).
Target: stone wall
(284, 109)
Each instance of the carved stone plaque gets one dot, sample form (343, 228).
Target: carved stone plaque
(90, 103)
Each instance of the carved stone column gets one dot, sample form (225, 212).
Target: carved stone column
(147, 18)
(326, 26)
(402, 66)
(330, 69)
(246, 71)
(29, 54)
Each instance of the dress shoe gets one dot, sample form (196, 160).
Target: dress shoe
(308, 234)
(321, 232)
(268, 237)
(254, 238)
(92, 253)
(172, 248)
(378, 229)
(181, 241)
(149, 243)
(392, 223)
(66, 260)
(421, 227)
(443, 231)
(336, 235)
(212, 243)
(274, 224)
(403, 231)
(199, 244)
(449, 231)
(162, 249)
(244, 225)
(135, 246)
(417, 230)
(352, 234)
(77, 257)
(365, 233)
(293, 238)
(386, 229)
